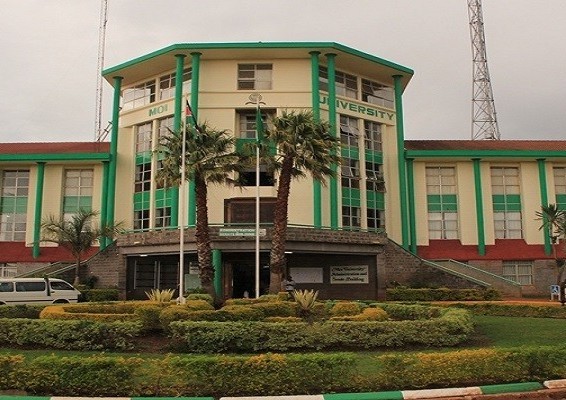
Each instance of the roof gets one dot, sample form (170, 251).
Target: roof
(545, 145)
(164, 59)
(54, 151)
(17, 252)
(479, 149)
(54, 147)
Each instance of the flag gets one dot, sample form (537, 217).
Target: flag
(189, 114)
(259, 125)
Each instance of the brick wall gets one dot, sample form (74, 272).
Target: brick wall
(109, 266)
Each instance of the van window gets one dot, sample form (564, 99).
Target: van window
(6, 286)
(30, 286)
(60, 286)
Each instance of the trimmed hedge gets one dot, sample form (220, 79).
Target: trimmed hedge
(442, 294)
(68, 335)
(513, 310)
(21, 311)
(454, 326)
(95, 295)
(266, 374)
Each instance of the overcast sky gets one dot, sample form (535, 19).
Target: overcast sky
(48, 55)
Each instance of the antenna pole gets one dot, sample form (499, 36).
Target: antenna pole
(98, 133)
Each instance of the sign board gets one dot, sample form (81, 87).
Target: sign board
(306, 275)
(349, 274)
(240, 232)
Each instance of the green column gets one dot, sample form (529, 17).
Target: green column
(177, 113)
(192, 206)
(401, 161)
(544, 202)
(479, 206)
(111, 199)
(104, 242)
(411, 200)
(317, 186)
(38, 207)
(217, 265)
(331, 65)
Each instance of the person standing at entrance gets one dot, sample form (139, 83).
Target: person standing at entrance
(289, 285)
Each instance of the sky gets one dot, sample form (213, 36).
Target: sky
(49, 51)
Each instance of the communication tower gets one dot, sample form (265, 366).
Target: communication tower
(484, 117)
(99, 134)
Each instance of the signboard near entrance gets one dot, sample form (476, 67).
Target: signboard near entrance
(306, 275)
(349, 274)
(240, 232)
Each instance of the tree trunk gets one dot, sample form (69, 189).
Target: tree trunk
(77, 272)
(203, 244)
(277, 261)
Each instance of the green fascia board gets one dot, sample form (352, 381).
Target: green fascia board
(484, 154)
(33, 157)
(310, 46)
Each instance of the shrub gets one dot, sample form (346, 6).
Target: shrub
(283, 319)
(172, 313)
(513, 310)
(69, 335)
(200, 296)
(98, 295)
(148, 315)
(21, 311)
(368, 314)
(343, 308)
(61, 313)
(240, 313)
(402, 293)
(276, 309)
(198, 304)
(160, 295)
(409, 311)
(9, 367)
(306, 300)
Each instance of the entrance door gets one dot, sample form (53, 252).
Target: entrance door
(243, 279)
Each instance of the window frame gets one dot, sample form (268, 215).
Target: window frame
(255, 80)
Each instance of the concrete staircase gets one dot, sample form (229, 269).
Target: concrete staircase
(505, 286)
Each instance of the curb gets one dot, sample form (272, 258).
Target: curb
(391, 395)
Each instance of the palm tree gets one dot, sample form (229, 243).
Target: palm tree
(77, 234)
(304, 145)
(210, 158)
(554, 220)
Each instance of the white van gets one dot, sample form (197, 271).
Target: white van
(36, 291)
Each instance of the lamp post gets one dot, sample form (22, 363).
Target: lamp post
(255, 98)
(181, 218)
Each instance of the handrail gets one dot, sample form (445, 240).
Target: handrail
(468, 266)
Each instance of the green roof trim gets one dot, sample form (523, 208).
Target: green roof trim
(485, 153)
(38, 157)
(310, 46)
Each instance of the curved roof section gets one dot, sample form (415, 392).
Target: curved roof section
(162, 60)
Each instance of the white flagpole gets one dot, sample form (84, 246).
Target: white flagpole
(181, 218)
(257, 209)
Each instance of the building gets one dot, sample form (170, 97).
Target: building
(424, 194)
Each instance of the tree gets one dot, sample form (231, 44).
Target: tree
(210, 158)
(304, 145)
(554, 221)
(76, 235)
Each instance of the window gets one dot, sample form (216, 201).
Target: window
(242, 211)
(56, 285)
(346, 84)
(142, 181)
(372, 134)
(376, 93)
(165, 127)
(6, 287)
(349, 131)
(254, 76)
(143, 138)
(149, 274)
(30, 286)
(560, 186)
(139, 95)
(351, 216)
(266, 178)
(375, 219)
(13, 205)
(77, 191)
(506, 202)
(247, 123)
(8, 271)
(141, 219)
(350, 173)
(374, 177)
(167, 84)
(518, 271)
(442, 202)
(162, 217)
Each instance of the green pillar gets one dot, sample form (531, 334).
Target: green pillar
(331, 65)
(479, 206)
(544, 202)
(317, 186)
(38, 207)
(104, 242)
(195, 62)
(411, 199)
(217, 265)
(401, 161)
(111, 199)
(177, 113)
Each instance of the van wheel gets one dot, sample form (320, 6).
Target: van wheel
(61, 302)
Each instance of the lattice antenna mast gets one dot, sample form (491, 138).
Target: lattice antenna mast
(484, 117)
(100, 134)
